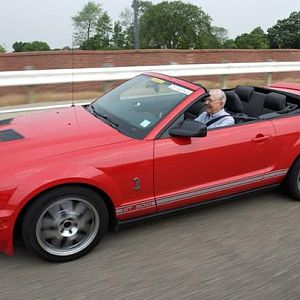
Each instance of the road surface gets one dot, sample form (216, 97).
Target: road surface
(243, 249)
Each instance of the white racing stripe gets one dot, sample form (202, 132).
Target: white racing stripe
(203, 191)
(220, 187)
(276, 173)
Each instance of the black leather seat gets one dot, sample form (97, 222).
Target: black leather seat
(244, 92)
(233, 103)
(234, 106)
(274, 102)
(253, 102)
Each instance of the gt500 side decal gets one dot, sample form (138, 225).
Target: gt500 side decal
(203, 191)
(135, 207)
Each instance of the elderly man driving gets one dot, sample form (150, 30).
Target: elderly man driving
(214, 114)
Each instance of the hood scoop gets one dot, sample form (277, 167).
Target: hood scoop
(9, 135)
(6, 121)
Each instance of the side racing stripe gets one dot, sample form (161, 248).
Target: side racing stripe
(186, 195)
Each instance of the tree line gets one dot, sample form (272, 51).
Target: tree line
(167, 25)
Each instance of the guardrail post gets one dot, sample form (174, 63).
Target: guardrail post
(268, 76)
(106, 85)
(30, 89)
(223, 78)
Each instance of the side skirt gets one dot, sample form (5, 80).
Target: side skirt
(119, 224)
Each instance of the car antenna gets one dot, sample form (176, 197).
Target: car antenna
(72, 66)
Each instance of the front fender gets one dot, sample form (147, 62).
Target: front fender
(37, 182)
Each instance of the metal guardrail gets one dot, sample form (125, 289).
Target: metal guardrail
(42, 107)
(31, 78)
(37, 77)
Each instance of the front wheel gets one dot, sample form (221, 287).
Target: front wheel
(65, 224)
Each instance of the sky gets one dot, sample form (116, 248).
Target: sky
(50, 20)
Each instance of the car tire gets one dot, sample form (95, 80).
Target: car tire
(292, 181)
(65, 223)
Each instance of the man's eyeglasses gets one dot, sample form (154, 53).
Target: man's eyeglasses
(210, 100)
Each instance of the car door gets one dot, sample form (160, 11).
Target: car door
(227, 161)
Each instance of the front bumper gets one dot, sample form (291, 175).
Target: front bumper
(6, 232)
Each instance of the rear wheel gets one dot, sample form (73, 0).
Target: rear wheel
(65, 224)
(292, 181)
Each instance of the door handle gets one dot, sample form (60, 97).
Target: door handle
(261, 138)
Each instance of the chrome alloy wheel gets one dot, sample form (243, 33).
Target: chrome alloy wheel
(67, 227)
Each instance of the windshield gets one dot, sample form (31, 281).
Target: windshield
(136, 106)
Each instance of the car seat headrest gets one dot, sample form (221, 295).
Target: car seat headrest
(233, 102)
(244, 92)
(275, 101)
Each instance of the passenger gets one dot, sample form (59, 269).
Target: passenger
(214, 114)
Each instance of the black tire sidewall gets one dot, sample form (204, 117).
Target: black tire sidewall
(291, 182)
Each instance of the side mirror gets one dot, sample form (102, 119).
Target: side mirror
(189, 128)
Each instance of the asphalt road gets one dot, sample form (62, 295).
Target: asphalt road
(243, 249)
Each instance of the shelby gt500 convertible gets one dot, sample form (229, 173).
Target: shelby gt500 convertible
(136, 152)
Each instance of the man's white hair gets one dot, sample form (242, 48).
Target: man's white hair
(219, 95)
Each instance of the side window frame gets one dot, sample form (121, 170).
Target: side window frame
(180, 117)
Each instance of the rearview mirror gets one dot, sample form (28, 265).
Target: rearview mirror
(189, 128)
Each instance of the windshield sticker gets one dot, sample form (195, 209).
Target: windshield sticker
(179, 89)
(157, 80)
(145, 123)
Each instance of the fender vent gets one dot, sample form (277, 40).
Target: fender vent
(9, 135)
(6, 121)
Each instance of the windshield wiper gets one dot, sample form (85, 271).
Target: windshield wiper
(106, 118)
(110, 121)
(92, 109)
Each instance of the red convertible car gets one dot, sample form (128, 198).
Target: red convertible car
(136, 152)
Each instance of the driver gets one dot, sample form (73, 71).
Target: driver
(214, 114)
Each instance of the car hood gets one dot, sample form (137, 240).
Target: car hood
(54, 132)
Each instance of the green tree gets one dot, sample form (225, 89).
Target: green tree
(174, 25)
(143, 6)
(216, 37)
(38, 46)
(118, 37)
(34, 46)
(256, 39)
(91, 44)
(101, 40)
(85, 23)
(18, 46)
(286, 33)
(229, 44)
(126, 18)
(220, 33)
(104, 30)
(2, 49)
